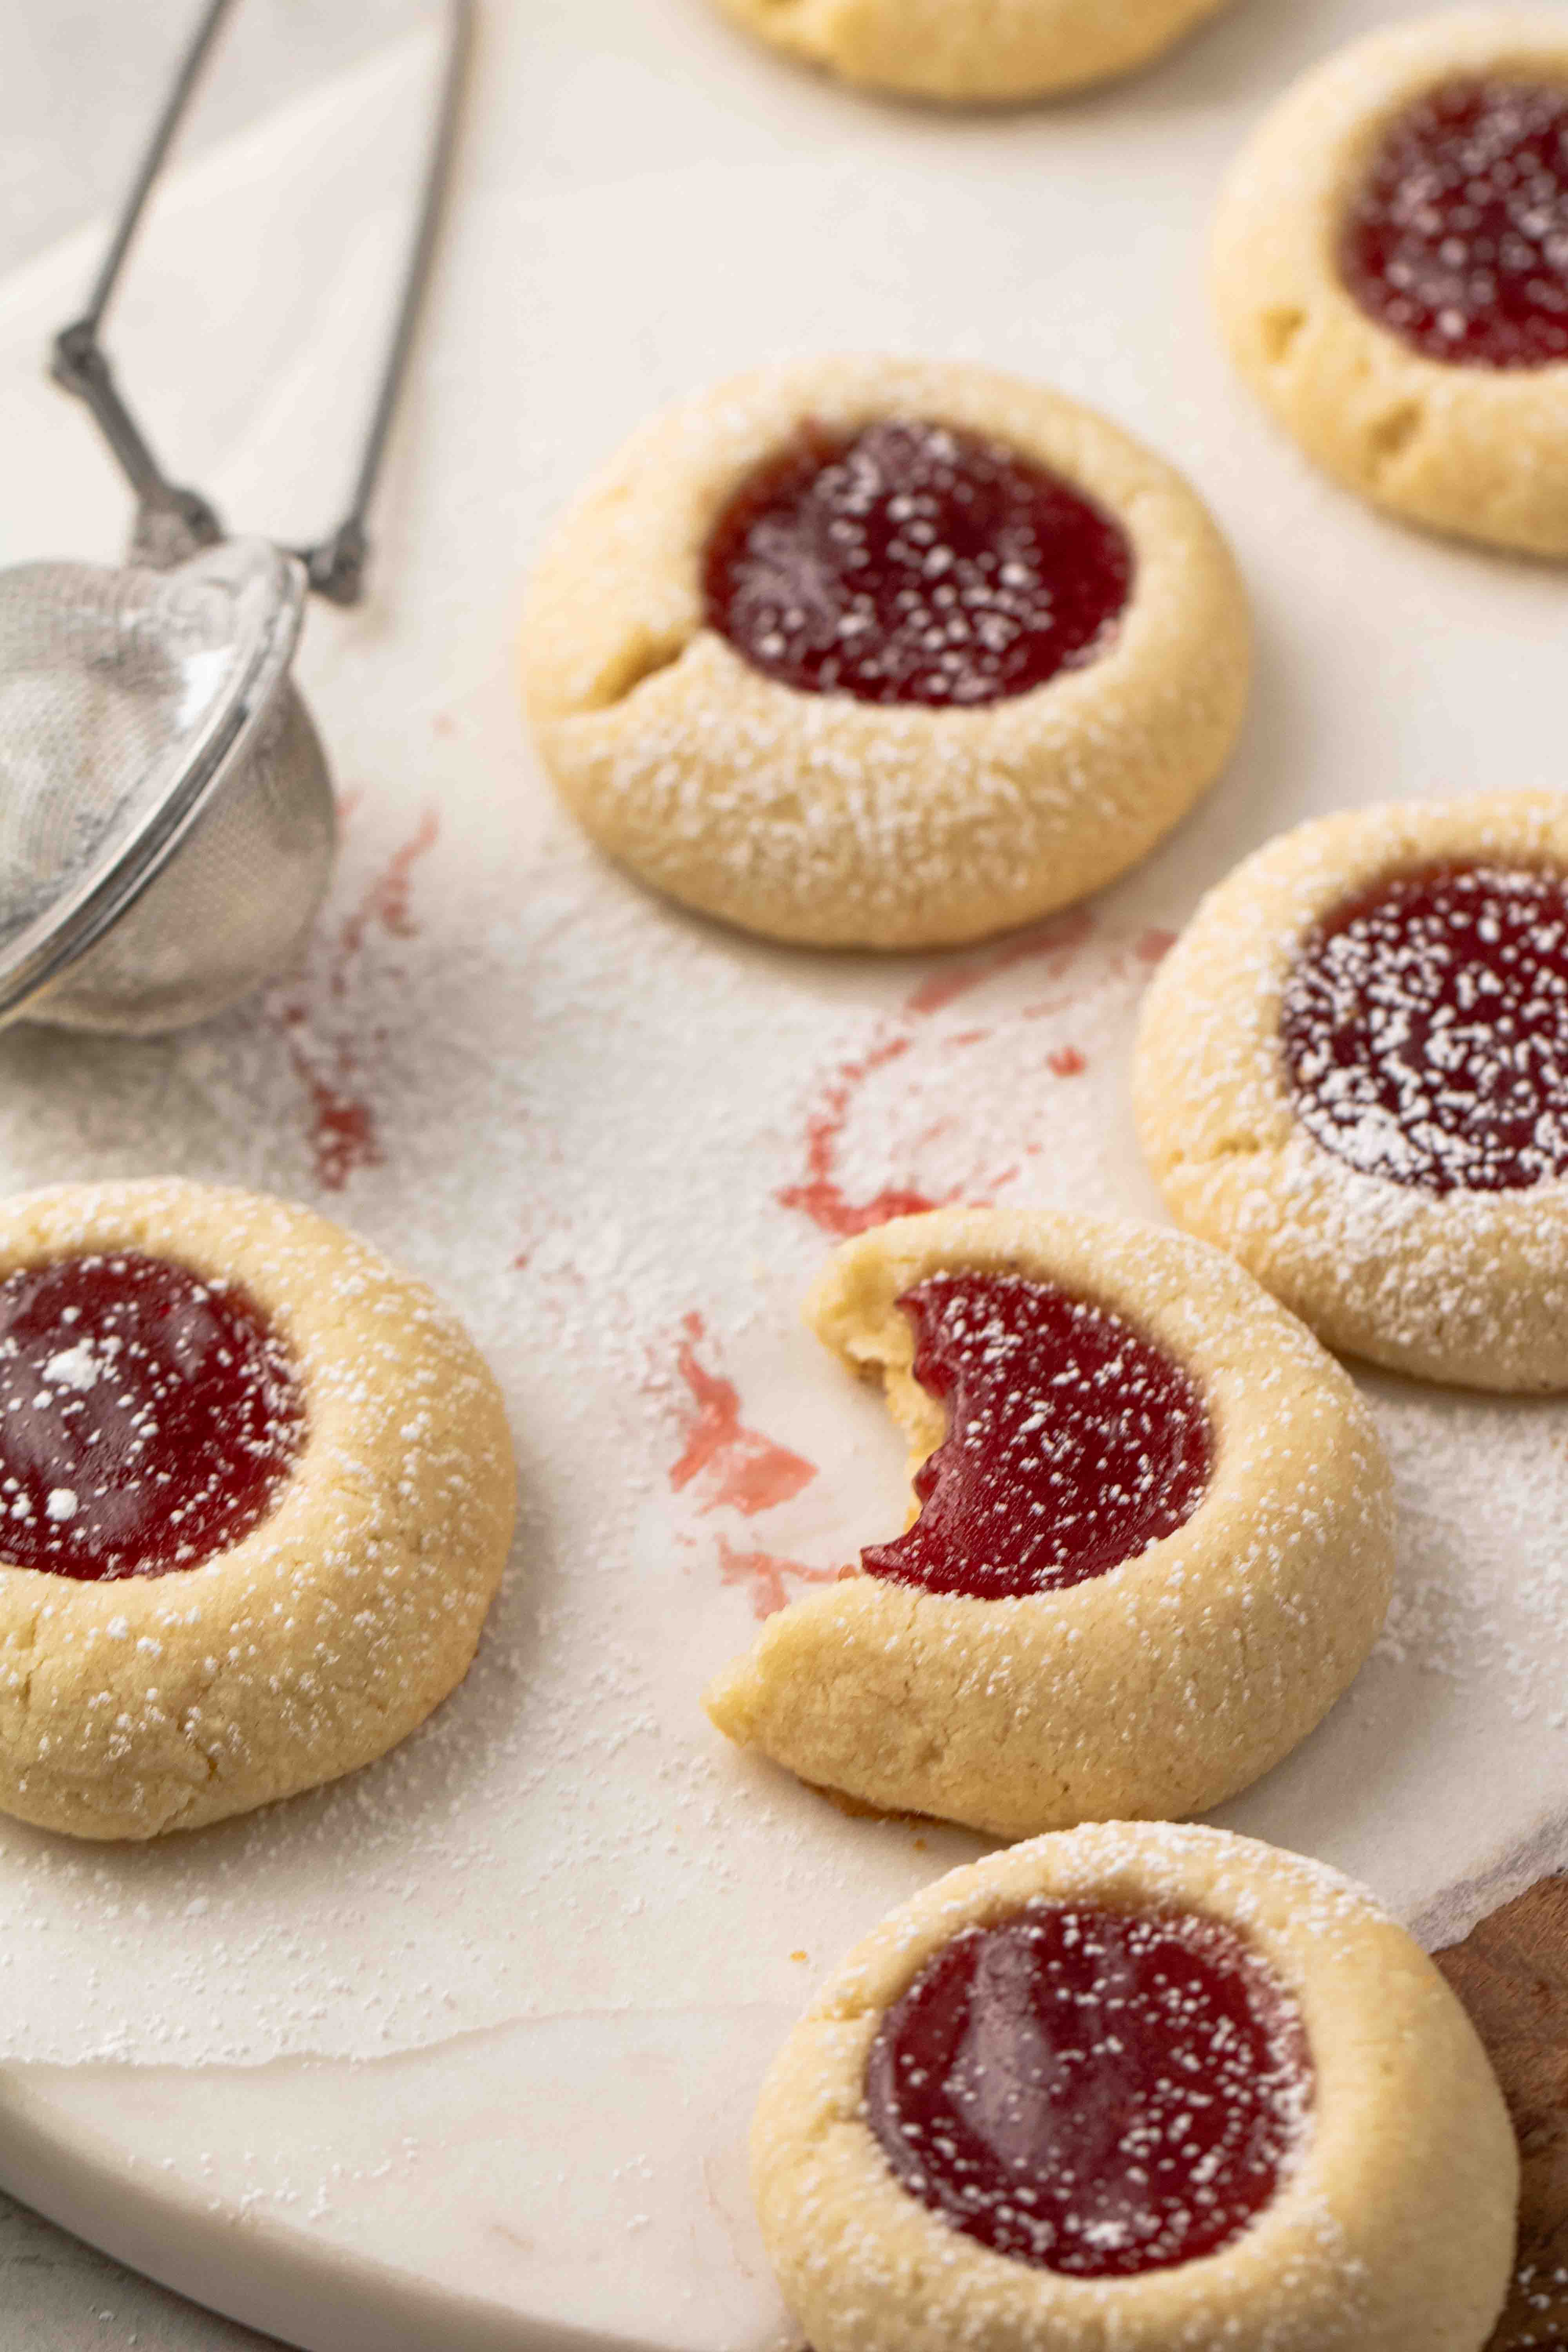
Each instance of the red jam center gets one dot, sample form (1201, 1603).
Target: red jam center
(1425, 1030)
(1101, 2093)
(1072, 1444)
(1458, 240)
(910, 562)
(147, 1418)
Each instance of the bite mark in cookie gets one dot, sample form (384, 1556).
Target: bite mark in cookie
(1003, 1693)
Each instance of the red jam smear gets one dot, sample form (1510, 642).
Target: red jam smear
(912, 562)
(147, 1418)
(1424, 1027)
(1073, 1444)
(1458, 239)
(1099, 2093)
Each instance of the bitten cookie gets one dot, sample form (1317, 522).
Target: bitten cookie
(1153, 1539)
(1160, 2088)
(1390, 272)
(972, 51)
(883, 653)
(255, 1493)
(1351, 1071)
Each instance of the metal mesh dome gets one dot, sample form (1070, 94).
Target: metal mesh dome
(158, 776)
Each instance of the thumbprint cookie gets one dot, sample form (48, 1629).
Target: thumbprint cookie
(1151, 1538)
(881, 652)
(1353, 1072)
(1137, 2086)
(256, 1495)
(1391, 271)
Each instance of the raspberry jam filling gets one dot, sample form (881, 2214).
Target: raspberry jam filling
(1072, 1444)
(912, 562)
(147, 1418)
(1099, 2093)
(1424, 1027)
(1458, 240)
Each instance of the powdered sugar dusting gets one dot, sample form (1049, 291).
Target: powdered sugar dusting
(1099, 2093)
(158, 1437)
(1425, 1026)
(1393, 1260)
(576, 1245)
(936, 1112)
(1072, 1444)
(833, 2209)
(1458, 238)
(570, 1074)
(911, 564)
(326, 1048)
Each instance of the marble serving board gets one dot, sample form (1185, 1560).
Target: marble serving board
(461, 2052)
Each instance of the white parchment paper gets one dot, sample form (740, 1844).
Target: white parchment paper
(617, 1138)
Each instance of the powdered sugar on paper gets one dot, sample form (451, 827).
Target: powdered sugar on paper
(583, 1116)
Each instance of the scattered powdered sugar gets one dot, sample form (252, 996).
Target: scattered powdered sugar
(1426, 1029)
(1480, 1597)
(1338, 1205)
(965, 1090)
(574, 1764)
(80, 1367)
(1099, 2092)
(635, 1278)
(1459, 237)
(1072, 1444)
(913, 564)
(576, 1113)
(1094, 1904)
(174, 1418)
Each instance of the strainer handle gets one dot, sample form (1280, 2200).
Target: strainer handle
(182, 519)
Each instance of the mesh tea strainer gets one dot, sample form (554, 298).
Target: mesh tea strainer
(166, 816)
